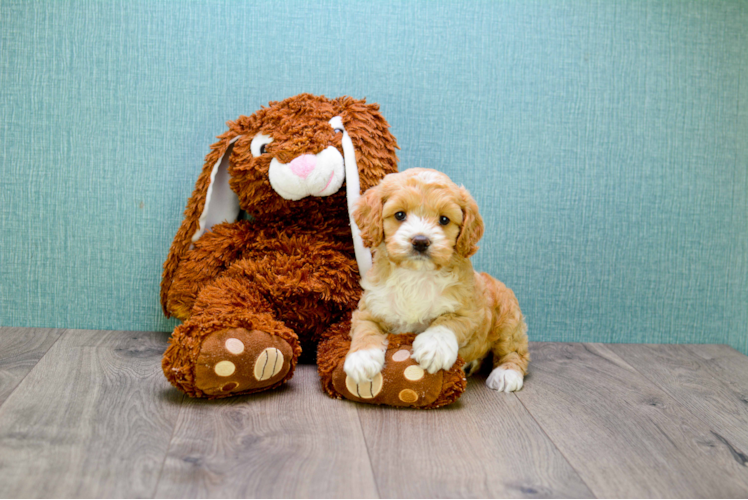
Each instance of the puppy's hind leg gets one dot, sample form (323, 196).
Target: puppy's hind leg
(510, 359)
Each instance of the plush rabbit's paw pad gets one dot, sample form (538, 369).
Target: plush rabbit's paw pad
(505, 380)
(238, 360)
(435, 349)
(398, 381)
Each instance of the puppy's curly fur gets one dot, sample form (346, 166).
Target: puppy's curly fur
(423, 229)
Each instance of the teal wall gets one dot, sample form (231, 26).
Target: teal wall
(606, 143)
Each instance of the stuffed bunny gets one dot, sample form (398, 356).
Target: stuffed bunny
(268, 259)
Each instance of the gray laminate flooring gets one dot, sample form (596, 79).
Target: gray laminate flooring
(88, 414)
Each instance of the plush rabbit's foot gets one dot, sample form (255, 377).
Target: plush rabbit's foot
(239, 361)
(402, 382)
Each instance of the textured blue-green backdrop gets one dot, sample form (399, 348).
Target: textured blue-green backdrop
(605, 141)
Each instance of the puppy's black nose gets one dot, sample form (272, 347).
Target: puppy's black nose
(420, 243)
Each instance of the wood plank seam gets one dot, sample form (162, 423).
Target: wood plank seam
(560, 451)
(675, 427)
(292, 442)
(90, 419)
(168, 448)
(62, 333)
(368, 450)
(737, 454)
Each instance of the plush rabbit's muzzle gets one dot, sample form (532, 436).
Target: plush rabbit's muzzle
(319, 174)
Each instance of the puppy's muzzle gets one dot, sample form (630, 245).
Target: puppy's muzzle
(420, 243)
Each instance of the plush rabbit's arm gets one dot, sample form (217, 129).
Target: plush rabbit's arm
(212, 254)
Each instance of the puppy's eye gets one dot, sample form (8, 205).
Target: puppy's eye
(443, 220)
(338, 130)
(400, 216)
(263, 149)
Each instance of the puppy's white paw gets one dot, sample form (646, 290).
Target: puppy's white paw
(435, 349)
(362, 366)
(504, 380)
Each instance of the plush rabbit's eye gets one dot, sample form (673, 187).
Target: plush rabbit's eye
(259, 144)
(400, 216)
(443, 220)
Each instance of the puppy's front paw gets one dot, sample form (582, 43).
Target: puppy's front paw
(362, 366)
(504, 380)
(435, 349)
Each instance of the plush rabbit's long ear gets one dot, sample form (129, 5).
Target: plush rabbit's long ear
(353, 193)
(370, 134)
(369, 153)
(212, 202)
(221, 203)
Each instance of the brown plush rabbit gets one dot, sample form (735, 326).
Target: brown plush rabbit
(254, 291)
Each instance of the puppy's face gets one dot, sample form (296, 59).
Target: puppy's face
(421, 222)
(422, 217)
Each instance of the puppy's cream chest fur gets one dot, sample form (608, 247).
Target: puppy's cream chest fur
(409, 300)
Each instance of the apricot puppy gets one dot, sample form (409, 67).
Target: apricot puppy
(422, 229)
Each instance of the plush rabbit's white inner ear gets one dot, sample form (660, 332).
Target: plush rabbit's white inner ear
(353, 193)
(221, 203)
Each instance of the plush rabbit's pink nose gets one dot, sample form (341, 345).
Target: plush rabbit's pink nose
(303, 165)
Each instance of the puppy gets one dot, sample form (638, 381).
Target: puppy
(422, 229)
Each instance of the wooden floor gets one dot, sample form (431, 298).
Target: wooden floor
(89, 414)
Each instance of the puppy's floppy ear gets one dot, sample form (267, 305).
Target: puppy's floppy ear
(472, 225)
(368, 217)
